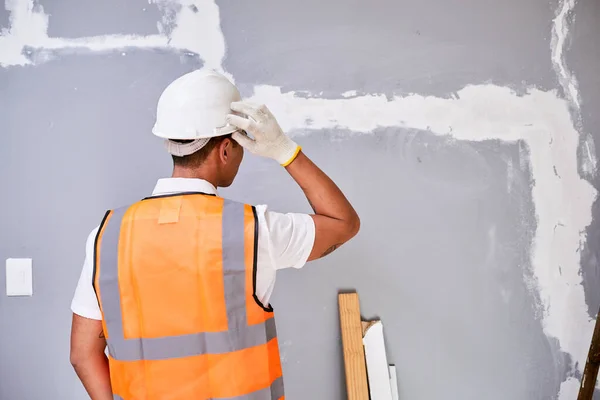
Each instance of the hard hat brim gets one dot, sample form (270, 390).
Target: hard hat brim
(221, 131)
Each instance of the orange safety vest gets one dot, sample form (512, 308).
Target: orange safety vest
(175, 278)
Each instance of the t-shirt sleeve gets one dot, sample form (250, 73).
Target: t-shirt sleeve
(290, 237)
(85, 302)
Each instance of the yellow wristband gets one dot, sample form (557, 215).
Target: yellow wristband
(288, 162)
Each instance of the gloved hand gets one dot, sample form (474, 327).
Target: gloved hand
(269, 140)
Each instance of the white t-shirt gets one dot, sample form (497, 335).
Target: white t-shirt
(284, 241)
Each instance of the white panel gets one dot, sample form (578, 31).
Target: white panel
(19, 277)
(377, 365)
(394, 382)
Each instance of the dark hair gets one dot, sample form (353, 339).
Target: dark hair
(197, 158)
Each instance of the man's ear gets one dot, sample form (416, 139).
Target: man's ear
(225, 150)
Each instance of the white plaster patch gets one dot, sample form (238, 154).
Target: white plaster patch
(523, 156)
(196, 29)
(560, 32)
(510, 175)
(588, 160)
(28, 27)
(539, 119)
(588, 157)
(568, 81)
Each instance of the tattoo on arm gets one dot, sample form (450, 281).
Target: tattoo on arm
(331, 249)
(101, 336)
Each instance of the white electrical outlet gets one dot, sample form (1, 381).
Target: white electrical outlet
(19, 277)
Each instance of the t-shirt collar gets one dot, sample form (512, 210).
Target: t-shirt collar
(167, 186)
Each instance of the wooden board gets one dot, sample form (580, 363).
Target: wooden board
(354, 354)
(590, 372)
(377, 366)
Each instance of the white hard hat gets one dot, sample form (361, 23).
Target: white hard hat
(195, 107)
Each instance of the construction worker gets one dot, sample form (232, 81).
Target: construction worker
(176, 286)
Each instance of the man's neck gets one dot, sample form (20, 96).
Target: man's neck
(194, 174)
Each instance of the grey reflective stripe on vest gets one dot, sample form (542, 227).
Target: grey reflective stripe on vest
(239, 336)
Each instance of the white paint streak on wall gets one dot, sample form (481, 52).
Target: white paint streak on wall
(560, 32)
(510, 175)
(27, 28)
(579, 322)
(589, 161)
(196, 29)
(541, 119)
(568, 81)
(562, 200)
(29, 33)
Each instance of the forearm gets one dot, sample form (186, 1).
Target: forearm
(335, 219)
(322, 193)
(94, 374)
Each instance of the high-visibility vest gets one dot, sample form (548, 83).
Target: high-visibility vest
(175, 280)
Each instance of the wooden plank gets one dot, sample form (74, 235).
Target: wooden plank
(394, 382)
(377, 366)
(354, 354)
(590, 372)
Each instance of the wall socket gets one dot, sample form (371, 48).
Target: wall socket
(19, 277)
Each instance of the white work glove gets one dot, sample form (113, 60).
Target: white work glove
(268, 138)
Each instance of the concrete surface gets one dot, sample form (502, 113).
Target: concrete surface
(427, 47)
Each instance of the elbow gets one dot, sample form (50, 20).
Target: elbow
(353, 226)
(78, 359)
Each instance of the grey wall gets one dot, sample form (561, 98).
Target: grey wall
(443, 255)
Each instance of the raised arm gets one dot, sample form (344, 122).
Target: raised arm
(335, 219)
(336, 222)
